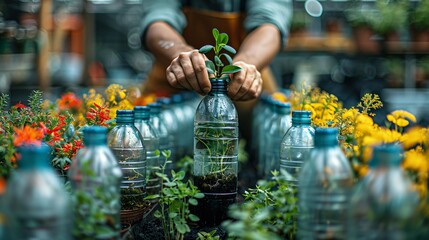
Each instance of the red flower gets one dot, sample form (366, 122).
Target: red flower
(98, 115)
(19, 106)
(28, 135)
(69, 101)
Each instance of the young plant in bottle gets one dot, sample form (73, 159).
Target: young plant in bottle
(217, 68)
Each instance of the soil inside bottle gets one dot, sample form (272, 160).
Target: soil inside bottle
(220, 192)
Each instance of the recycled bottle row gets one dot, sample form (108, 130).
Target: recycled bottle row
(331, 204)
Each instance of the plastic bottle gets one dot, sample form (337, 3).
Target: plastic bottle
(383, 204)
(296, 146)
(151, 144)
(165, 138)
(127, 145)
(95, 178)
(215, 154)
(278, 125)
(35, 202)
(170, 120)
(325, 184)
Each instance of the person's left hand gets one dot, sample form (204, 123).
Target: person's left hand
(245, 84)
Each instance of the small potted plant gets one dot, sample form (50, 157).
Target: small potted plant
(361, 20)
(216, 138)
(419, 25)
(391, 19)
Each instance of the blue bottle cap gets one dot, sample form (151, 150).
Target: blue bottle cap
(218, 85)
(141, 113)
(387, 155)
(34, 157)
(94, 135)
(282, 107)
(155, 108)
(124, 116)
(176, 98)
(164, 101)
(326, 137)
(301, 117)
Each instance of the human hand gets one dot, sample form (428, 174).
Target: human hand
(188, 71)
(245, 84)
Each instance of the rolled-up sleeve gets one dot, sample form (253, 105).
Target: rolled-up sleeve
(276, 12)
(168, 11)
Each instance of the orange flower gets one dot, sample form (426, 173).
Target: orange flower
(28, 135)
(98, 115)
(69, 101)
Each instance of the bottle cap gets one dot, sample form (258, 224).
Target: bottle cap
(155, 108)
(94, 135)
(301, 117)
(218, 84)
(34, 156)
(387, 155)
(326, 137)
(124, 116)
(141, 113)
(282, 107)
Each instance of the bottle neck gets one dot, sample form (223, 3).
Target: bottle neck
(34, 158)
(219, 86)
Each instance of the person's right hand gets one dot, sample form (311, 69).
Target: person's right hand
(188, 71)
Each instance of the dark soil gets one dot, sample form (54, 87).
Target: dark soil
(150, 228)
(220, 192)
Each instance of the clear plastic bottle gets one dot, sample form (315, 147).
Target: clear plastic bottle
(181, 132)
(165, 138)
(35, 202)
(151, 144)
(325, 184)
(127, 145)
(167, 116)
(384, 204)
(257, 120)
(296, 145)
(95, 178)
(215, 154)
(279, 124)
(268, 113)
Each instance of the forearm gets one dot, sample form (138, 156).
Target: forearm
(164, 42)
(260, 46)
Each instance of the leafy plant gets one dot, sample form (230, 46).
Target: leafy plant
(217, 67)
(420, 15)
(392, 16)
(360, 16)
(207, 235)
(175, 199)
(92, 209)
(268, 212)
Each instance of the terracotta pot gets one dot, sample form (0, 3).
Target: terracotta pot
(420, 39)
(364, 40)
(132, 216)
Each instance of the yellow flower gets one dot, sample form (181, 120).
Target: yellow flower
(414, 136)
(415, 160)
(93, 97)
(401, 118)
(115, 93)
(279, 96)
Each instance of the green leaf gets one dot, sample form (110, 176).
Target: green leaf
(229, 49)
(205, 49)
(173, 215)
(193, 201)
(215, 33)
(228, 58)
(194, 218)
(199, 195)
(218, 62)
(154, 196)
(170, 184)
(210, 67)
(223, 38)
(157, 214)
(181, 228)
(229, 69)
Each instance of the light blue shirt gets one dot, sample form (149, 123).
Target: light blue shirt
(258, 12)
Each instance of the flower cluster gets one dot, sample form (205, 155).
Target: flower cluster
(359, 133)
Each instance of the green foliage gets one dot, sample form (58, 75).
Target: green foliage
(92, 218)
(217, 67)
(359, 16)
(207, 235)
(299, 21)
(392, 16)
(269, 212)
(420, 15)
(175, 198)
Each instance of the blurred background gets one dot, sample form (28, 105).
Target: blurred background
(347, 48)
